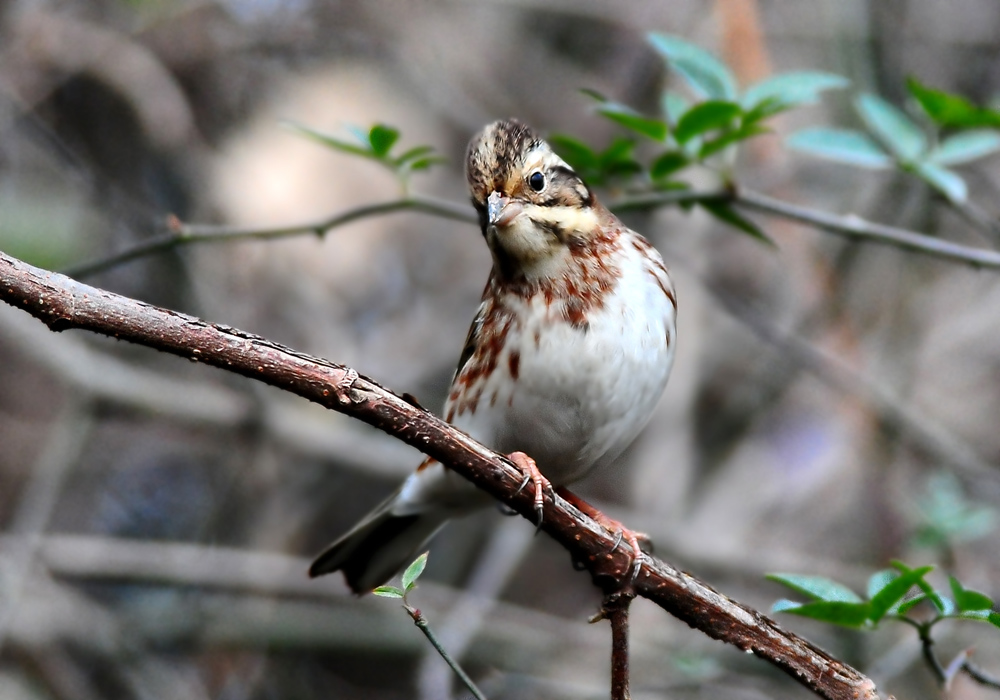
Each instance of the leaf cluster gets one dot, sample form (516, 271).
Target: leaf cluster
(892, 594)
(696, 131)
(408, 582)
(894, 139)
(376, 144)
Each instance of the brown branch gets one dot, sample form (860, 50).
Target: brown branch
(63, 303)
(850, 226)
(615, 610)
(945, 675)
(180, 234)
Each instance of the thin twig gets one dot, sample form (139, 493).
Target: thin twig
(615, 610)
(927, 649)
(980, 676)
(67, 437)
(421, 622)
(943, 675)
(62, 303)
(978, 218)
(859, 229)
(851, 226)
(184, 234)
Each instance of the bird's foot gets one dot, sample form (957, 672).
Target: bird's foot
(532, 474)
(615, 527)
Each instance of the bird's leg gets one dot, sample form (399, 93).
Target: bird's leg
(611, 525)
(531, 473)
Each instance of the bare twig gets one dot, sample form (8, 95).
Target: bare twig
(615, 609)
(421, 622)
(945, 675)
(183, 234)
(63, 303)
(66, 439)
(851, 226)
(496, 562)
(859, 229)
(980, 676)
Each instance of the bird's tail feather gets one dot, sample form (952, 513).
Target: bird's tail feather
(378, 547)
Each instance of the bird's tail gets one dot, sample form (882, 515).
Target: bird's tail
(378, 546)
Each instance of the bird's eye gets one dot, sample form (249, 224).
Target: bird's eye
(536, 181)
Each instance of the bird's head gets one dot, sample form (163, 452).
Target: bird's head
(532, 207)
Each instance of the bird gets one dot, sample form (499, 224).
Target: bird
(567, 356)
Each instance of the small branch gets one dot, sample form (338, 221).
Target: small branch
(615, 609)
(859, 229)
(851, 226)
(421, 622)
(980, 676)
(944, 675)
(978, 218)
(184, 234)
(927, 649)
(62, 304)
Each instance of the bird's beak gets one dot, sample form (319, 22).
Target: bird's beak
(501, 210)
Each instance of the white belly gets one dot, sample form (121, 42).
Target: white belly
(582, 393)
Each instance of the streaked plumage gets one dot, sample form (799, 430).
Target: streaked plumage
(566, 358)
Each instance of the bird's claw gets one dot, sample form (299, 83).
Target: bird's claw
(532, 474)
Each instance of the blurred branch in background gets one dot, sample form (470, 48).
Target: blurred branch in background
(851, 226)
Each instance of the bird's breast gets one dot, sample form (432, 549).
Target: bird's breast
(573, 373)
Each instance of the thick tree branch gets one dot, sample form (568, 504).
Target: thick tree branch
(63, 303)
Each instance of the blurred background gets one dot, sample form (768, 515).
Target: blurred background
(833, 405)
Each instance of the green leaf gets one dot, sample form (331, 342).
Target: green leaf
(617, 158)
(896, 130)
(705, 116)
(949, 183)
(725, 213)
(382, 138)
(424, 163)
(942, 603)
(966, 600)
(630, 119)
(706, 74)
(964, 147)
(764, 109)
(414, 153)
(894, 591)
(950, 110)
(879, 580)
(842, 145)
(802, 87)
(709, 148)
(575, 152)
(674, 106)
(834, 611)
(949, 516)
(784, 605)
(388, 592)
(594, 94)
(330, 141)
(913, 602)
(667, 164)
(413, 571)
(816, 587)
(989, 616)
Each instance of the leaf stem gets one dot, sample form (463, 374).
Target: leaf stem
(421, 622)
